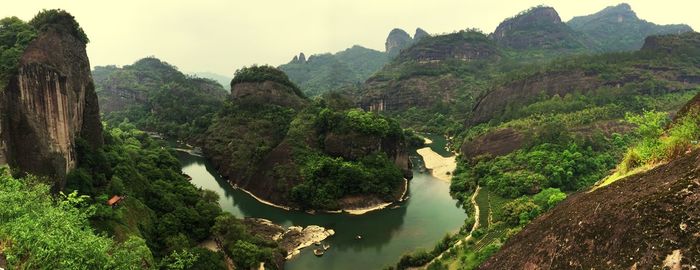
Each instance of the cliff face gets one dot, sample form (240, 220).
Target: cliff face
(617, 28)
(645, 221)
(48, 105)
(397, 40)
(537, 28)
(565, 81)
(267, 92)
(269, 139)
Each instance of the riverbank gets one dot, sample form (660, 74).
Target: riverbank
(440, 167)
(351, 211)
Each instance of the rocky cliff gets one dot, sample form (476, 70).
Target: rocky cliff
(537, 28)
(397, 40)
(424, 72)
(47, 105)
(645, 221)
(617, 28)
(270, 140)
(651, 64)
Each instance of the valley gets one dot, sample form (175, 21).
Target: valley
(550, 142)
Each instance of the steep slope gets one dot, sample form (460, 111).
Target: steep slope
(275, 143)
(49, 101)
(157, 97)
(537, 28)
(325, 72)
(665, 64)
(648, 220)
(424, 75)
(617, 28)
(397, 40)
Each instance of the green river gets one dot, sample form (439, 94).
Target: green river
(421, 222)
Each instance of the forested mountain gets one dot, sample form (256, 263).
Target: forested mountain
(155, 96)
(287, 149)
(649, 226)
(321, 73)
(617, 28)
(324, 72)
(63, 168)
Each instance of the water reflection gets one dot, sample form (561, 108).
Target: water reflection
(429, 214)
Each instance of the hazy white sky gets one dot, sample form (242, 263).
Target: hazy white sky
(222, 36)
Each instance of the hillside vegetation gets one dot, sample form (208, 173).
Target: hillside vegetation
(287, 149)
(155, 96)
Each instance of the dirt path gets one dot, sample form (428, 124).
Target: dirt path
(469, 236)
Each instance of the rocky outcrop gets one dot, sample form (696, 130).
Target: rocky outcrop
(526, 90)
(617, 28)
(267, 92)
(537, 28)
(495, 143)
(396, 41)
(688, 43)
(644, 221)
(292, 239)
(465, 46)
(353, 146)
(420, 34)
(49, 104)
(418, 91)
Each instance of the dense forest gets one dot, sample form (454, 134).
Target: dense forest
(155, 96)
(539, 113)
(304, 142)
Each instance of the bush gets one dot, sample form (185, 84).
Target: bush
(262, 74)
(60, 20)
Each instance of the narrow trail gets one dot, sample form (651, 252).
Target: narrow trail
(469, 236)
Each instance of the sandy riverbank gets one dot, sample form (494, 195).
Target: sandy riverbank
(351, 211)
(439, 166)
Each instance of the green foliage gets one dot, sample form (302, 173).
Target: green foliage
(38, 230)
(15, 36)
(327, 72)
(161, 205)
(656, 145)
(59, 20)
(262, 74)
(328, 179)
(246, 250)
(548, 198)
(162, 98)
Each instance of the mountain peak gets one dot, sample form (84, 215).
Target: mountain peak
(537, 27)
(397, 40)
(617, 28)
(420, 34)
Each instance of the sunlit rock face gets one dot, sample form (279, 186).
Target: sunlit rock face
(48, 105)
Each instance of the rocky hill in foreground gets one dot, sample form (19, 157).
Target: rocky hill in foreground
(49, 101)
(648, 220)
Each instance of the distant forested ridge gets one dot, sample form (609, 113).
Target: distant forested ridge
(155, 96)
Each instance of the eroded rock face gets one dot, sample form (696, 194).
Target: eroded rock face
(540, 27)
(267, 92)
(420, 34)
(645, 221)
(396, 41)
(396, 95)
(496, 143)
(48, 105)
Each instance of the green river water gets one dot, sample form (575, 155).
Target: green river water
(420, 222)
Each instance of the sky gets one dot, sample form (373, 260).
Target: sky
(221, 36)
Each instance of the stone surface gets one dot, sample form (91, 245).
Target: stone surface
(48, 105)
(397, 40)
